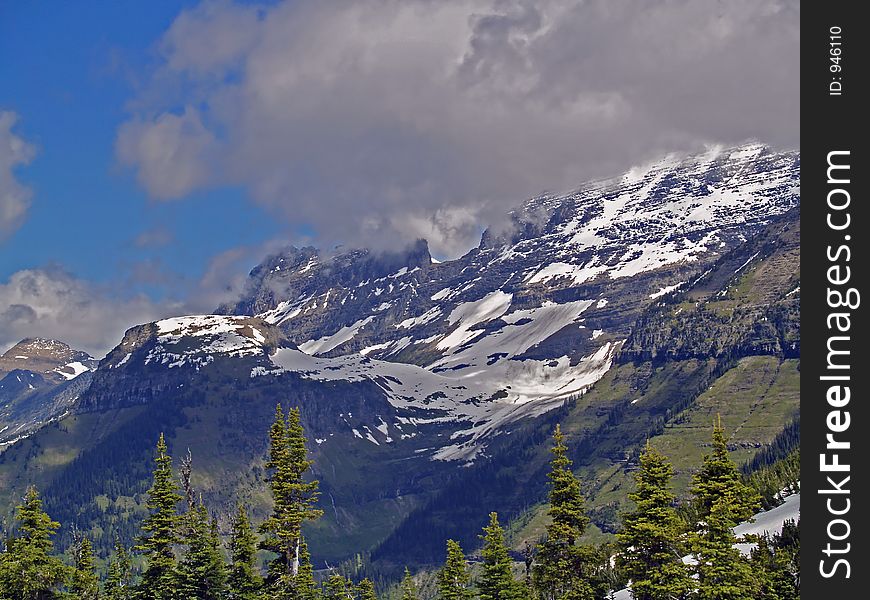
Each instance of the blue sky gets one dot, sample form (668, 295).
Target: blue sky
(74, 71)
(151, 153)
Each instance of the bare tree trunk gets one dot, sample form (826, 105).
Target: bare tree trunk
(296, 559)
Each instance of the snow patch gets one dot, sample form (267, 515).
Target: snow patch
(666, 290)
(469, 314)
(325, 344)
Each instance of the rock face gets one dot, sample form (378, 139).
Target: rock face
(156, 358)
(40, 379)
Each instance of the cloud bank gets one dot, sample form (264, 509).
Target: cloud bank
(380, 122)
(51, 302)
(14, 197)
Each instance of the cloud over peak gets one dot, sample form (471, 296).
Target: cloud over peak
(378, 122)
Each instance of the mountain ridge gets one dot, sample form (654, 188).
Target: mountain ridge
(406, 368)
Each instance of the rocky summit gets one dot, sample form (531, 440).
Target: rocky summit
(40, 379)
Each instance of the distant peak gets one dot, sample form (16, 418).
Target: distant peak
(37, 345)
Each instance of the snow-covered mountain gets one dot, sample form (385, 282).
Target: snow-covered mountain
(664, 287)
(40, 380)
(534, 314)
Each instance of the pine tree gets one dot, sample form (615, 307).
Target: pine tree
(719, 475)
(85, 584)
(294, 498)
(28, 571)
(365, 590)
(338, 588)
(560, 569)
(567, 505)
(650, 551)
(119, 578)
(202, 572)
(408, 587)
(776, 564)
(772, 570)
(722, 572)
(304, 585)
(721, 501)
(453, 578)
(243, 581)
(497, 581)
(160, 578)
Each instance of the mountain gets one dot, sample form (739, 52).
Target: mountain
(614, 309)
(40, 379)
(536, 314)
(674, 376)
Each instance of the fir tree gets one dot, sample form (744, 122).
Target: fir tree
(719, 475)
(160, 578)
(497, 581)
(85, 584)
(408, 587)
(721, 500)
(338, 588)
(722, 572)
(303, 583)
(772, 569)
(119, 578)
(453, 578)
(28, 571)
(650, 551)
(567, 505)
(365, 590)
(243, 581)
(560, 569)
(294, 498)
(202, 573)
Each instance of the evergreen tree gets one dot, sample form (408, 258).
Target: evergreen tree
(719, 475)
(561, 569)
(567, 505)
(119, 578)
(649, 542)
(160, 578)
(28, 571)
(453, 578)
(722, 572)
(294, 498)
(721, 500)
(85, 584)
(497, 581)
(366, 590)
(243, 581)
(408, 588)
(202, 573)
(772, 570)
(338, 588)
(303, 584)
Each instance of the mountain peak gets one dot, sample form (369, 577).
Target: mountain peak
(47, 357)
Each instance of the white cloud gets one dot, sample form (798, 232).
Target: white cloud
(52, 303)
(171, 152)
(14, 197)
(375, 121)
